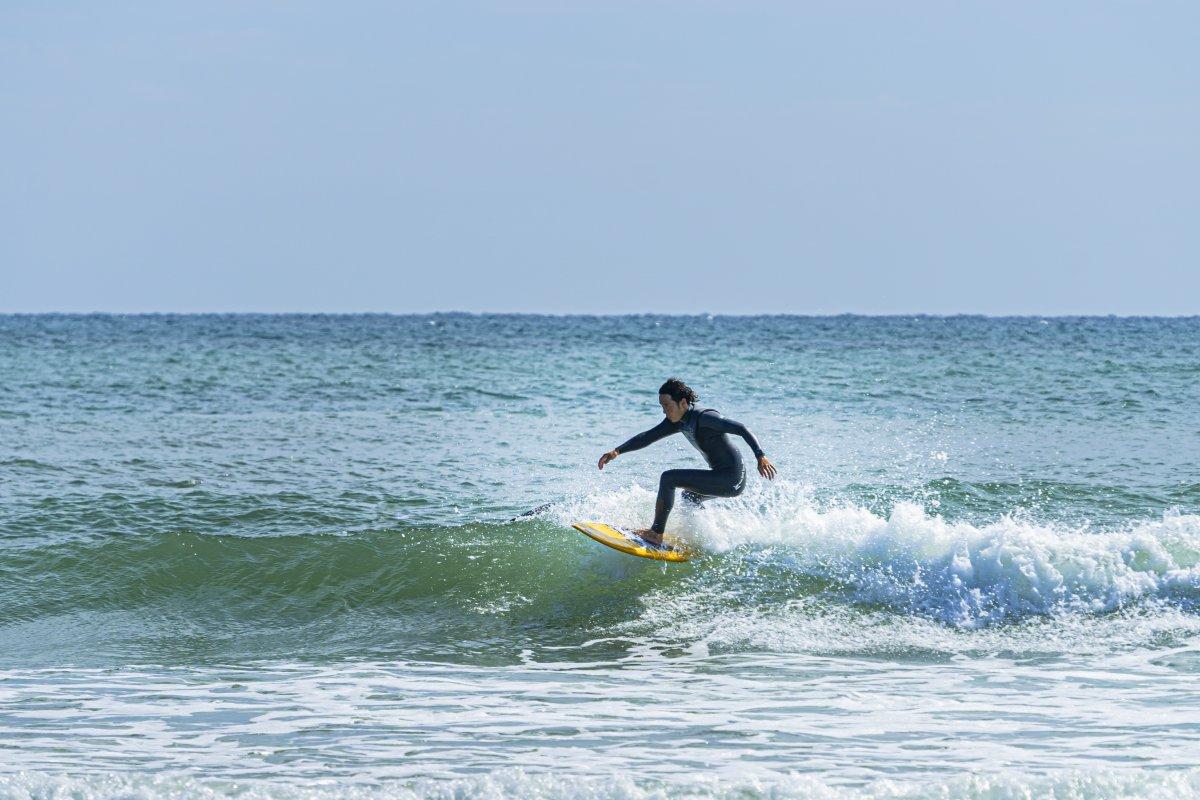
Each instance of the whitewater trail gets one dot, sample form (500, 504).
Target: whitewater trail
(911, 561)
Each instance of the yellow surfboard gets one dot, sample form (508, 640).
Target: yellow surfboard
(625, 541)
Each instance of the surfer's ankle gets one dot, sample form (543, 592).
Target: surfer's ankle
(650, 535)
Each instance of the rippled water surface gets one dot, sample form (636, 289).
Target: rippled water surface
(275, 556)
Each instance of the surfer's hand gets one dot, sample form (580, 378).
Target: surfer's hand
(766, 468)
(607, 457)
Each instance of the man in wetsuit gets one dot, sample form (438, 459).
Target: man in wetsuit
(706, 430)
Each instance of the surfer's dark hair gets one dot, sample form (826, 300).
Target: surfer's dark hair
(678, 391)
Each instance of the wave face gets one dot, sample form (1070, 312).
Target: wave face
(535, 582)
(282, 550)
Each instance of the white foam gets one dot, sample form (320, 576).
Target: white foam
(1132, 784)
(811, 627)
(955, 572)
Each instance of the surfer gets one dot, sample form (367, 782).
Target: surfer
(706, 429)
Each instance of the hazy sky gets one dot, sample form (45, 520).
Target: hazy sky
(601, 157)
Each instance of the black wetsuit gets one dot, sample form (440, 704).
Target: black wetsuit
(706, 429)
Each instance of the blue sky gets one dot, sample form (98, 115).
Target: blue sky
(608, 157)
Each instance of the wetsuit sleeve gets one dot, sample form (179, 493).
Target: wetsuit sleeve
(715, 422)
(664, 428)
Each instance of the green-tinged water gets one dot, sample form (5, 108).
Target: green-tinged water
(272, 556)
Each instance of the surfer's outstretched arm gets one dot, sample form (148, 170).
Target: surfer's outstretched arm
(718, 423)
(659, 431)
(645, 438)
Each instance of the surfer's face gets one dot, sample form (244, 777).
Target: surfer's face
(673, 410)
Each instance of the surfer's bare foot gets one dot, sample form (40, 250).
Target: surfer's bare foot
(653, 537)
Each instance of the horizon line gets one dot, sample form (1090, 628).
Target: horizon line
(568, 314)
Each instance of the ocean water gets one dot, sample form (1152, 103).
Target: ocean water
(274, 557)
